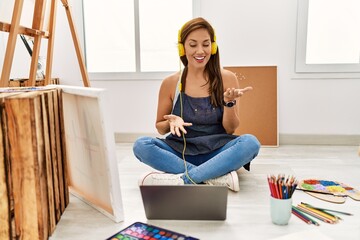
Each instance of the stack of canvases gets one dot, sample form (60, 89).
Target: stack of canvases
(33, 187)
(23, 82)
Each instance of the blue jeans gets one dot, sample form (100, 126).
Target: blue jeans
(232, 156)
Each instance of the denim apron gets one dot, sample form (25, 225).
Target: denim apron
(206, 133)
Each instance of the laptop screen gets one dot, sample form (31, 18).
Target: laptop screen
(185, 202)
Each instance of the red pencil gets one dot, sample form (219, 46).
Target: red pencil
(271, 187)
(305, 216)
(279, 188)
(301, 217)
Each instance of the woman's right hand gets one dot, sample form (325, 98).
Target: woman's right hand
(176, 124)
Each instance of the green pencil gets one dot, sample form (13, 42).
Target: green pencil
(325, 209)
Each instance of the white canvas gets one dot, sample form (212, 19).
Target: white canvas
(90, 150)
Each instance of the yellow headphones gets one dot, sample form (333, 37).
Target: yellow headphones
(181, 47)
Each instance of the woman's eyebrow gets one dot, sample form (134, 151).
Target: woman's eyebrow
(193, 40)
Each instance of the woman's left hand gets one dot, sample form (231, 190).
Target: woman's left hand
(233, 93)
(177, 124)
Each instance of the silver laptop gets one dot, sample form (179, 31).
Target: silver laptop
(185, 202)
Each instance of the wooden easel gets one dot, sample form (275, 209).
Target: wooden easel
(37, 33)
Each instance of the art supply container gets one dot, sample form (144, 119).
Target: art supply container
(280, 210)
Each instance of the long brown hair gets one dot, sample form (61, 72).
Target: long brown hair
(212, 69)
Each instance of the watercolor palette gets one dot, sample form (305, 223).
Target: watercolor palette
(331, 191)
(143, 231)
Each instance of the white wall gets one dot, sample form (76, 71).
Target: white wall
(263, 32)
(257, 32)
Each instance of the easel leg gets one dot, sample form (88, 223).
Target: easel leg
(50, 50)
(10, 48)
(38, 20)
(36, 31)
(75, 38)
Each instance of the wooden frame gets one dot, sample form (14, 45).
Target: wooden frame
(90, 144)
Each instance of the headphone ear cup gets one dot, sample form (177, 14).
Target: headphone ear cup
(213, 48)
(181, 49)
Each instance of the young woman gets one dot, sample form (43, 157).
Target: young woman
(196, 108)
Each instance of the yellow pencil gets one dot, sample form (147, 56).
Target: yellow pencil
(316, 213)
(328, 211)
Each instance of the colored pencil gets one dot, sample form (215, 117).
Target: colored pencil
(280, 187)
(321, 210)
(301, 216)
(272, 187)
(321, 213)
(305, 216)
(315, 214)
(328, 210)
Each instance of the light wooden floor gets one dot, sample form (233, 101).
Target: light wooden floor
(248, 215)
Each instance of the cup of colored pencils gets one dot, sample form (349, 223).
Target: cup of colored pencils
(281, 187)
(281, 190)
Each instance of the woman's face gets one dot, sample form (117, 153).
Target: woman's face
(198, 48)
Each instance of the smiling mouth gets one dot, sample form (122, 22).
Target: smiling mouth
(200, 58)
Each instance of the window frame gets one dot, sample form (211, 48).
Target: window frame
(137, 75)
(301, 38)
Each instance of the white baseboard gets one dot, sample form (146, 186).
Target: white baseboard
(285, 139)
(308, 139)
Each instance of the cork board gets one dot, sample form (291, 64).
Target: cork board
(258, 108)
